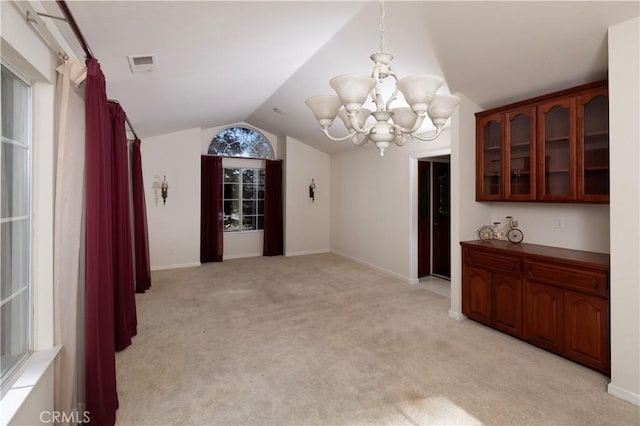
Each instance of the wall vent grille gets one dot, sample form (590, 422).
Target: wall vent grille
(142, 63)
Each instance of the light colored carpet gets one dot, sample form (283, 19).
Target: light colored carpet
(320, 340)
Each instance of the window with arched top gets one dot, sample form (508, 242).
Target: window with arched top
(243, 142)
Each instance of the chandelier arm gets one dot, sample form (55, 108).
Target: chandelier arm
(415, 127)
(360, 142)
(325, 130)
(429, 138)
(395, 91)
(353, 121)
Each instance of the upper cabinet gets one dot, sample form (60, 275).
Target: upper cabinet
(553, 148)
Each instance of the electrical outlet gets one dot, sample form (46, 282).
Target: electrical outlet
(559, 222)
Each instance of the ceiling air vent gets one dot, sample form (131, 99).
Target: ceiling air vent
(142, 63)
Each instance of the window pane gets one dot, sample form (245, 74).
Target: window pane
(248, 192)
(248, 208)
(231, 222)
(15, 107)
(248, 223)
(15, 331)
(261, 192)
(231, 207)
(260, 207)
(14, 181)
(240, 142)
(231, 175)
(248, 175)
(260, 178)
(231, 191)
(15, 256)
(260, 222)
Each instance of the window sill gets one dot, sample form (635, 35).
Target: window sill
(28, 377)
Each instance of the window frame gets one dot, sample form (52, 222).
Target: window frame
(241, 200)
(12, 372)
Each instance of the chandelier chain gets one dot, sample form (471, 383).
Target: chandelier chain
(382, 13)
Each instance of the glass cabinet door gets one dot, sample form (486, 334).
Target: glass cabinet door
(556, 151)
(593, 146)
(520, 155)
(489, 158)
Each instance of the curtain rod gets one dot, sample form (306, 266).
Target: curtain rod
(62, 4)
(113, 101)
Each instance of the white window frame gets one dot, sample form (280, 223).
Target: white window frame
(28, 287)
(240, 199)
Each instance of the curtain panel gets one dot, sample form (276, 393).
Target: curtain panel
(273, 221)
(211, 215)
(101, 395)
(68, 253)
(141, 232)
(124, 291)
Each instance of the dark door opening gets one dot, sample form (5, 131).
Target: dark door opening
(441, 256)
(434, 224)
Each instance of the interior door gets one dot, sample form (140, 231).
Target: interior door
(424, 227)
(441, 221)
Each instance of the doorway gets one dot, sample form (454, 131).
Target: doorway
(434, 223)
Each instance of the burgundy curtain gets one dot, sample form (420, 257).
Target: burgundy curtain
(124, 290)
(100, 365)
(273, 226)
(141, 233)
(211, 209)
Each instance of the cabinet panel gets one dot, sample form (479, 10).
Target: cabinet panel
(586, 329)
(556, 150)
(493, 262)
(507, 302)
(593, 146)
(489, 148)
(520, 161)
(476, 294)
(566, 276)
(543, 316)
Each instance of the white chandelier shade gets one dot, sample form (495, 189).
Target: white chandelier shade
(392, 125)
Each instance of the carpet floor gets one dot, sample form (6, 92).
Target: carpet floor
(321, 340)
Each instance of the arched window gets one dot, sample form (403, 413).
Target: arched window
(240, 141)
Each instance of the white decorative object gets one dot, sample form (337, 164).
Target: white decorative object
(396, 125)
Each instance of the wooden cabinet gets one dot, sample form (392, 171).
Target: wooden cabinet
(557, 299)
(489, 146)
(553, 148)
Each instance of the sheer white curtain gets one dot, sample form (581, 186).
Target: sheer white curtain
(69, 238)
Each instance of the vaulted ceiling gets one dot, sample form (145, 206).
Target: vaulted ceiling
(221, 62)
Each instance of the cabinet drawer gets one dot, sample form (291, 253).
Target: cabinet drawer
(567, 277)
(505, 264)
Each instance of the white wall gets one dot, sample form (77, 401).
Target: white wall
(624, 110)
(372, 199)
(586, 226)
(174, 227)
(307, 223)
(466, 213)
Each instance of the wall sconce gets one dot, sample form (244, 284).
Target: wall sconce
(312, 191)
(164, 190)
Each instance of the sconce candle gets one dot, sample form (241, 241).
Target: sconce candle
(312, 191)
(164, 187)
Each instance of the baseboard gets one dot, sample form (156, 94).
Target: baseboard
(414, 281)
(376, 267)
(458, 316)
(306, 252)
(241, 256)
(623, 394)
(176, 266)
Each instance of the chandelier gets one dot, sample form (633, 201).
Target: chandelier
(392, 125)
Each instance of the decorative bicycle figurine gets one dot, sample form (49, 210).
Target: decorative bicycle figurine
(509, 229)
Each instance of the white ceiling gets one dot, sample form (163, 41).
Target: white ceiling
(226, 62)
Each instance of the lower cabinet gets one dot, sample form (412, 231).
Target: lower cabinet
(556, 299)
